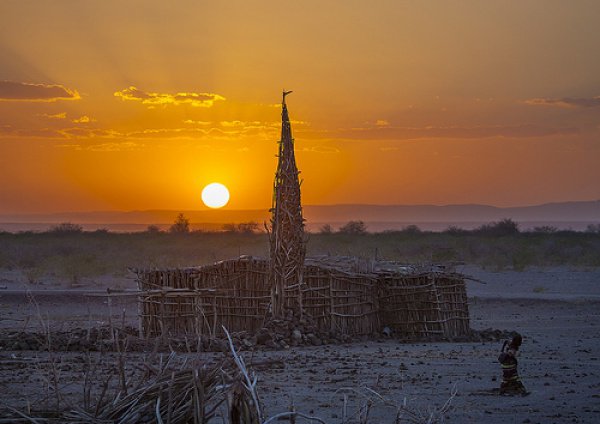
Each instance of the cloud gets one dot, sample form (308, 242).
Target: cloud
(293, 122)
(244, 126)
(408, 133)
(320, 149)
(168, 133)
(382, 123)
(83, 120)
(164, 99)
(61, 115)
(86, 133)
(9, 131)
(195, 133)
(268, 126)
(61, 133)
(236, 130)
(124, 146)
(239, 124)
(566, 102)
(201, 123)
(27, 92)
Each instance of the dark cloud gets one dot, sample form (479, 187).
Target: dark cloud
(23, 91)
(571, 102)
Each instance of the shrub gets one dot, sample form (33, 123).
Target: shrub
(353, 227)
(454, 230)
(66, 228)
(229, 228)
(76, 266)
(443, 254)
(250, 227)
(411, 229)
(593, 228)
(545, 229)
(506, 227)
(522, 258)
(33, 275)
(153, 229)
(326, 229)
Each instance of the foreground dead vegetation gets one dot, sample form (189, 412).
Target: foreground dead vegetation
(174, 389)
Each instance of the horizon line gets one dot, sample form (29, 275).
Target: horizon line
(224, 209)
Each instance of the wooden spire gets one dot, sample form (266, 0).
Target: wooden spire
(287, 240)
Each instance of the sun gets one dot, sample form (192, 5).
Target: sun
(215, 195)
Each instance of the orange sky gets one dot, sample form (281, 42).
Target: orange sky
(121, 105)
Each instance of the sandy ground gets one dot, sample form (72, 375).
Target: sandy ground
(556, 310)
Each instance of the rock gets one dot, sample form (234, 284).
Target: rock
(297, 336)
(263, 337)
(219, 345)
(314, 340)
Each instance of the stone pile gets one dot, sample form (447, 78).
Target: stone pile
(76, 340)
(295, 329)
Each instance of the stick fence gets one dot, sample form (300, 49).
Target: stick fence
(343, 296)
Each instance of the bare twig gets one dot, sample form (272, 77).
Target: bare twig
(250, 383)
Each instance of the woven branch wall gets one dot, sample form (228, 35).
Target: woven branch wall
(357, 300)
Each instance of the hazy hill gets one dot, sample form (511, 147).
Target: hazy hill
(566, 211)
(378, 217)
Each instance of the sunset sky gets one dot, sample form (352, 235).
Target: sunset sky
(123, 105)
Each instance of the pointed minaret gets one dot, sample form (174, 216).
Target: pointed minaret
(287, 240)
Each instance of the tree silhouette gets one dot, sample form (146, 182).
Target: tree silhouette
(181, 225)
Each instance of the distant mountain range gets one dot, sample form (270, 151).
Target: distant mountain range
(565, 211)
(378, 217)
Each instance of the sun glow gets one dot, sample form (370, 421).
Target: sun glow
(215, 195)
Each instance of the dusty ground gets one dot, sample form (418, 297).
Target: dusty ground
(557, 311)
